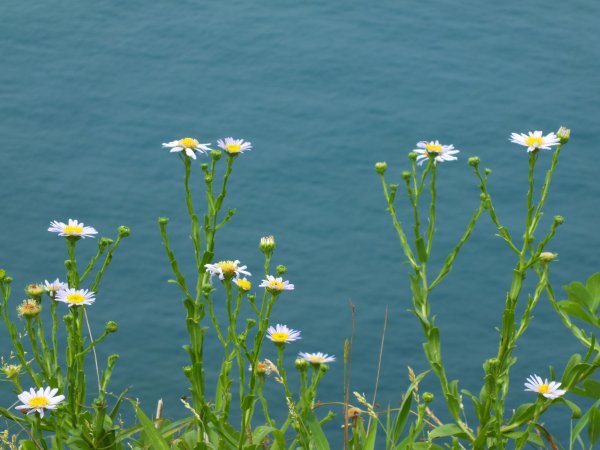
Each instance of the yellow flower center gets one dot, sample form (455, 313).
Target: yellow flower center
(543, 388)
(433, 148)
(227, 267)
(233, 148)
(315, 359)
(279, 337)
(188, 142)
(278, 285)
(73, 229)
(39, 402)
(75, 298)
(244, 285)
(534, 141)
(28, 307)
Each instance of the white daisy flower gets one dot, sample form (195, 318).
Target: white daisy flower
(234, 146)
(535, 140)
(435, 150)
(276, 285)
(75, 297)
(189, 145)
(40, 401)
(243, 283)
(73, 228)
(281, 334)
(227, 269)
(54, 287)
(549, 390)
(317, 358)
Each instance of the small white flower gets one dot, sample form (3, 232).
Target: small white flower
(317, 358)
(43, 399)
(189, 145)
(549, 390)
(435, 150)
(535, 140)
(75, 297)
(234, 146)
(276, 285)
(281, 334)
(227, 269)
(73, 228)
(54, 287)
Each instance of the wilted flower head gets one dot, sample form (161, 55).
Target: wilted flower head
(40, 401)
(265, 367)
(75, 297)
(11, 370)
(281, 334)
(436, 151)
(549, 390)
(34, 290)
(72, 229)
(548, 256)
(535, 140)
(276, 285)
(187, 145)
(318, 358)
(234, 146)
(564, 134)
(227, 269)
(54, 287)
(29, 308)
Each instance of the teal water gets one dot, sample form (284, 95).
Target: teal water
(88, 92)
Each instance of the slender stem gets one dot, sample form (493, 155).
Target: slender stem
(93, 348)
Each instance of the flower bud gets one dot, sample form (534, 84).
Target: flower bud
(8, 280)
(473, 161)
(267, 244)
(301, 364)
(2, 274)
(405, 175)
(413, 156)
(208, 177)
(323, 368)
(280, 270)
(187, 371)
(427, 397)
(124, 231)
(111, 326)
(252, 298)
(564, 134)
(29, 308)
(35, 290)
(163, 220)
(559, 220)
(11, 370)
(68, 319)
(216, 154)
(380, 167)
(487, 170)
(204, 167)
(548, 256)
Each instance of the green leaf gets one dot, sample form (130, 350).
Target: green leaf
(593, 287)
(153, 435)
(371, 437)
(421, 250)
(574, 408)
(449, 429)
(260, 433)
(402, 415)
(592, 388)
(578, 293)
(523, 413)
(317, 436)
(576, 310)
(594, 425)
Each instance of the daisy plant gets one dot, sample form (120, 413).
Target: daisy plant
(38, 358)
(493, 427)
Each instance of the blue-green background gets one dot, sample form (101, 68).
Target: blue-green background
(90, 90)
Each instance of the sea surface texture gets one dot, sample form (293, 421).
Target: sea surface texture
(323, 90)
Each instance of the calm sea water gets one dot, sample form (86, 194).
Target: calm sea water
(89, 92)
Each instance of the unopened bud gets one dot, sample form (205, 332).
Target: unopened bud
(29, 308)
(216, 154)
(427, 397)
(105, 242)
(267, 244)
(380, 167)
(187, 371)
(324, 368)
(208, 177)
(487, 170)
(111, 326)
(124, 231)
(68, 319)
(280, 270)
(548, 256)
(559, 220)
(11, 370)
(564, 134)
(2, 274)
(405, 175)
(473, 161)
(301, 364)
(252, 298)
(163, 220)
(413, 156)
